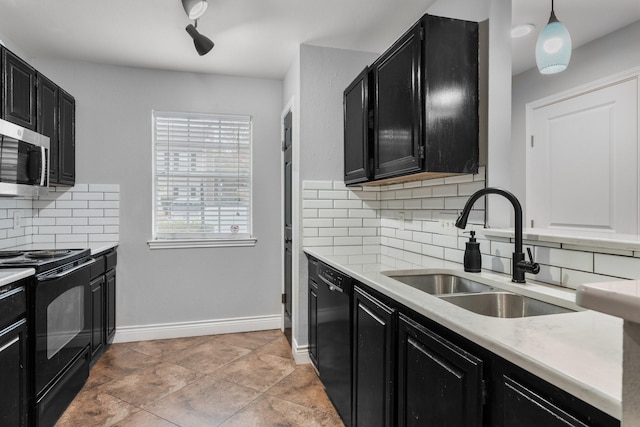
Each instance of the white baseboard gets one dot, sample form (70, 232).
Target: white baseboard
(300, 353)
(192, 329)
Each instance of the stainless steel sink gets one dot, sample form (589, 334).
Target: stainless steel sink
(504, 305)
(439, 284)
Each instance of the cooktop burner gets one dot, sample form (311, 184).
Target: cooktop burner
(46, 254)
(10, 254)
(42, 260)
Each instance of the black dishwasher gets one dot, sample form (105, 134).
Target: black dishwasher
(334, 293)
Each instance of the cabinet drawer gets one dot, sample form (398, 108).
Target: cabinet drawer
(13, 304)
(98, 267)
(111, 260)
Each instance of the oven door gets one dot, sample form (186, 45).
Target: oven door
(62, 313)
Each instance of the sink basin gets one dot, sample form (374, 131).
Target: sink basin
(504, 305)
(439, 284)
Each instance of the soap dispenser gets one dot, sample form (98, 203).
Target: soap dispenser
(472, 257)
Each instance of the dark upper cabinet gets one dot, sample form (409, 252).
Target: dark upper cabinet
(67, 139)
(439, 383)
(48, 116)
(397, 107)
(373, 368)
(423, 98)
(18, 91)
(451, 95)
(357, 130)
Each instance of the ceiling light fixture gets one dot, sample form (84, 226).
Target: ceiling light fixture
(194, 8)
(522, 30)
(203, 44)
(553, 48)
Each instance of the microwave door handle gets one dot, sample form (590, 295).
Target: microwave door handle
(44, 167)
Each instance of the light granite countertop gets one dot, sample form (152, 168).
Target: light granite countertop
(95, 247)
(10, 275)
(579, 352)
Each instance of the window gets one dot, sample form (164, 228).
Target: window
(201, 180)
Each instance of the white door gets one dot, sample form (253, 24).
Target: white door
(582, 161)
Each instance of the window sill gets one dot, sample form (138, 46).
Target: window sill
(204, 243)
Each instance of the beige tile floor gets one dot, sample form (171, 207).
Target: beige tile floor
(247, 379)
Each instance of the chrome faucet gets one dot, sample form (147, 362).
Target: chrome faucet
(518, 264)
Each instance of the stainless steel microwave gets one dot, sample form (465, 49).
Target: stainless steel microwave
(24, 161)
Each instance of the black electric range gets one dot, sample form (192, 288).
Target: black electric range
(42, 260)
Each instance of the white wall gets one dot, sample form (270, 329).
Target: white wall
(608, 55)
(113, 139)
(317, 79)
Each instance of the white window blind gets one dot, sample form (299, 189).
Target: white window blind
(202, 176)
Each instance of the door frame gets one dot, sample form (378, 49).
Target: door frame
(290, 107)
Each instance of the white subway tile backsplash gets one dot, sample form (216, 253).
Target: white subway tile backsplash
(332, 232)
(333, 213)
(315, 204)
(372, 220)
(71, 221)
(323, 222)
(310, 232)
(67, 238)
(87, 196)
(347, 204)
(104, 188)
(369, 231)
(363, 195)
(71, 204)
(617, 266)
(362, 213)
(317, 185)
(564, 258)
(104, 204)
(333, 195)
(447, 190)
(53, 218)
(318, 241)
(104, 221)
(457, 179)
(573, 278)
(86, 213)
(104, 237)
(53, 212)
(348, 222)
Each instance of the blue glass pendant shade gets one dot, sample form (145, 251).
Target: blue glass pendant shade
(553, 48)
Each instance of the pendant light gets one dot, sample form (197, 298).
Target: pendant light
(553, 48)
(194, 8)
(203, 44)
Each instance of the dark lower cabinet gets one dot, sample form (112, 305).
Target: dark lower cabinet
(13, 375)
(373, 356)
(97, 316)
(411, 371)
(313, 322)
(439, 384)
(18, 91)
(110, 305)
(524, 400)
(103, 303)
